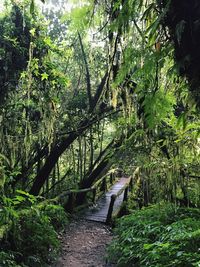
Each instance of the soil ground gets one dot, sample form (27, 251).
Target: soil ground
(84, 245)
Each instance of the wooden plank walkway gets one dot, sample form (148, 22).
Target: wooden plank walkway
(99, 211)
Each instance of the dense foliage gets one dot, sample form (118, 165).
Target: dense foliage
(161, 235)
(29, 231)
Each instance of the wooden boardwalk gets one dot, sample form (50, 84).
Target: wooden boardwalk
(99, 211)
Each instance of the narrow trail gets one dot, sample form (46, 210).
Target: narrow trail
(85, 239)
(84, 245)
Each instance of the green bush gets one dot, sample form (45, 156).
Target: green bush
(29, 231)
(7, 259)
(33, 238)
(58, 216)
(158, 236)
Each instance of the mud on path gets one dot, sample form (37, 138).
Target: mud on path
(84, 245)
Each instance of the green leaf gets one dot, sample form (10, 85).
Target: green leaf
(32, 7)
(32, 32)
(179, 253)
(147, 246)
(44, 76)
(23, 74)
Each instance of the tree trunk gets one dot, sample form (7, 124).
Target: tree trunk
(51, 161)
(55, 153)
(97, 173)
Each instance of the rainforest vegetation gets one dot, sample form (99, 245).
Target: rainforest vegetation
(91, 86)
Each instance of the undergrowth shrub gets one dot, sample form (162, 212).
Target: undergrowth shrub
(34, 238)
(31, 237)
(57, 215)
(161, 236)
(7, 259)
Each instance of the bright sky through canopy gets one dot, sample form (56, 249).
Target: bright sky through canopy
(53, 4)
(48, 3)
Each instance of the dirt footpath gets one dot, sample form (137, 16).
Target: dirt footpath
(84, 245)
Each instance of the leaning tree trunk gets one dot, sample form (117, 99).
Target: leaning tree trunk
(56, 152)
(54, 155)
(51, 161)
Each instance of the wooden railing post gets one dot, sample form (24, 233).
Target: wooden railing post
(103, 186)
(131, 183)
(94, 195)
(125, 194)
(110, 210)
(111, 178)
(71, 202)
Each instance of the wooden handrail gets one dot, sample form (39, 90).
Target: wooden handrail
(110, 210)
(95, 185)
(84, 190)
(125, 188)
(72, 193)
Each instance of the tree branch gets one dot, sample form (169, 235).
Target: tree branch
(99, 92)
(87, 71)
